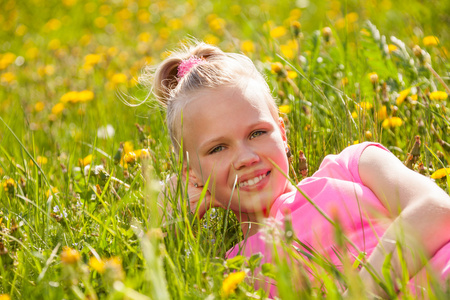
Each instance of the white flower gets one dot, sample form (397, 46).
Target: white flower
(271, 230)
(106, 132)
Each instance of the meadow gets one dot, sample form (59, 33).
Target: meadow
(82, 155)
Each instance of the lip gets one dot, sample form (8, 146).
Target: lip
(259, 185)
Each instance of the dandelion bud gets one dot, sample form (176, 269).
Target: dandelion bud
(3, 249)
(302, 165)
(416, 148)
(118, 154)
(421, 169)
(70, 256)
(9, 185)
(296, 27)
(277, 68)
(326, 33)
(368, 135)
(373, 78)
(417, 51)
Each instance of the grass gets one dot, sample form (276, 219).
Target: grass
(361, 78)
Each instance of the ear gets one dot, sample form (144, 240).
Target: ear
(282, 129)
(193, 178)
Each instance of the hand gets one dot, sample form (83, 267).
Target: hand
(194, 191)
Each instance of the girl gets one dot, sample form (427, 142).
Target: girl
(220, 109)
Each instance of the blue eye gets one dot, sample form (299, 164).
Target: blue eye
(257, 133)
(216, 149)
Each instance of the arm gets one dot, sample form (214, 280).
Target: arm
(420, 210)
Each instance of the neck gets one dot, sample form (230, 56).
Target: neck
(249, 222)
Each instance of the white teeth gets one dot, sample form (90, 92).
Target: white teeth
(252, 181)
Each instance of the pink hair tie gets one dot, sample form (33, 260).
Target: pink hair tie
(186, 65)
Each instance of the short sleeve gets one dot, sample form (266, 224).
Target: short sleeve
(344, 165)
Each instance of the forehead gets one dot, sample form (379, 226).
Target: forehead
(225, 110)
(248, 99)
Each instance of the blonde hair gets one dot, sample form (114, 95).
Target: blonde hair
(217, 69)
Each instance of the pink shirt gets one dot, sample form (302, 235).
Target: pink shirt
(337, 190)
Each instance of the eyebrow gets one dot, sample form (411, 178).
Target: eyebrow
(215, 140)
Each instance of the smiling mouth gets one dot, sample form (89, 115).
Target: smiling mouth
(253, 181)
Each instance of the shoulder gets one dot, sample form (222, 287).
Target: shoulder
(345, 165)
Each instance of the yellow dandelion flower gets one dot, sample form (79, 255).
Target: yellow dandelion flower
(438, 95)
(5, 297)
(124, 14)
(86, 161)
(92, 59)
(217, 24)
(53, 24)
(7, 78)
(70, 256)
(285, 109)
(130, 158)
(69, 97)
(440, 173)
(46, 70)
(144, 37)
(6, 59)
(9, 185)
(97, 265)
(54, 44)
(30, 54)
(54, 190)
(175, 24)
(211, 39)
(365, 105)
(58, 108)
(39, 106)
(402, 96)
(105, 10)
(248, 46)
(85, 96)
(230, 283)
(41, 160)
(392, 122)
(292, 74)
(344, 81)
(143, 16)
(430, 40)
(414, 97)
(287, 51)
(392, 48)
(278, 32)
(100, 22)
(354, 115)
(355, 142)
(382, 113)
(119, 78)
(69, 2)
(128, 147)
(21, 30)
(364, 32)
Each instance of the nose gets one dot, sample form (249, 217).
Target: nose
(245, 156)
